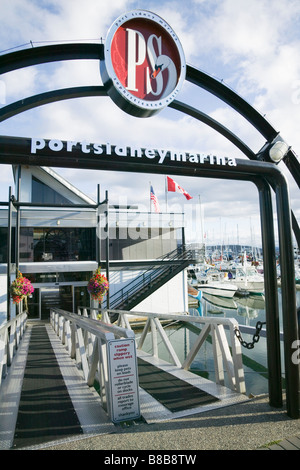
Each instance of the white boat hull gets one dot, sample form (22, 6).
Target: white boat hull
(255, 287)
(221, 302)
(247, 278)
(220, 289)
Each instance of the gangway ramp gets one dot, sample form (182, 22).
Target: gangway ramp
(69, 409)
(27, 377)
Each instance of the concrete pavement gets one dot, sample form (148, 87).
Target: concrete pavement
(245, 426)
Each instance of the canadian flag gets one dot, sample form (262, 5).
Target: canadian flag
(173, 186)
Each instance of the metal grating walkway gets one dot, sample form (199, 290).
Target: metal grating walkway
(45, 410)
(217, 396)
(172, 392)
(86, 404)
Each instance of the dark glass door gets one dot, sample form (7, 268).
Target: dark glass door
(81, 297)
(60, 297)
(34, 305)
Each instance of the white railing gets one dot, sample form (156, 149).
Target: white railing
(10, 336)
(86, 340)
(226, 357)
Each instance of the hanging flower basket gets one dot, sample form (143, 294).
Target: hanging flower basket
(98, 286)
(20, 288)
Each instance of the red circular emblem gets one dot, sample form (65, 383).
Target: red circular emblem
(144, 65)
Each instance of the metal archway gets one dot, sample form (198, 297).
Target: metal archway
(77, 51)
(60, 52)
(263, 174)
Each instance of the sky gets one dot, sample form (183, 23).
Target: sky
(251, 45)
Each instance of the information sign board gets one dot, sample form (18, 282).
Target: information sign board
(123, 380)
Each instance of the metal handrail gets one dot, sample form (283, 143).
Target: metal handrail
(87, 341)
(11, 334)
(225, 356)
(102, 330)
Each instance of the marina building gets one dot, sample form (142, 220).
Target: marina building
(57, 237)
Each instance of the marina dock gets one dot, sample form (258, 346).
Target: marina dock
(45, 404)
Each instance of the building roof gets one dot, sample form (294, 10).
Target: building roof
(52, 179)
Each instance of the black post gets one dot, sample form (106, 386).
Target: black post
(183, 238)
(98, 230)
(17, 236)
(9, 244)
(271, 296)
(288, 289)
(107, 245)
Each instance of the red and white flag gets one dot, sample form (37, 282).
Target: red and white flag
(173, 186)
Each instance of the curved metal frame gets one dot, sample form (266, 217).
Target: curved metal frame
(78, 51)
(264, 175)
(59, 52)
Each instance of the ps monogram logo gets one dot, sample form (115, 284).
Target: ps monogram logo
(138, 50)
(144, 65)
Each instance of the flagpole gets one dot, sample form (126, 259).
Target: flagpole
(201, 221)
(150, 196)
(166, 191)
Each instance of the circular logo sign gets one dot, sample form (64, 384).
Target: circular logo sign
(144, 65)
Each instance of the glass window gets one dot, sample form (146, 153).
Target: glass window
(42, 277)
(57, 244)
(74, 276)
(26, 244)
(42, 193)
(58, 277)
(3, 244)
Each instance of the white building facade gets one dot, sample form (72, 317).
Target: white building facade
(59, 237)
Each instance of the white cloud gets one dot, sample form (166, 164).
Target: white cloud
(20, 84)
(252, 45)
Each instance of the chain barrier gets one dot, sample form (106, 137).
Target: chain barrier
(255, 338)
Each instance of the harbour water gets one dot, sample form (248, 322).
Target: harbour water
(247, 311)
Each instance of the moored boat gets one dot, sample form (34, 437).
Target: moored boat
(194, 295)
(212, 281)
(247, 277)
(194, 292)
(219, 288)
(221, 302)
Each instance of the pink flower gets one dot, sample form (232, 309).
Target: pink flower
(20, 288)
(98, 286)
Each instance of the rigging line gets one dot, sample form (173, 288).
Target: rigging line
(66, 40)
(15, 47)
(31, 43)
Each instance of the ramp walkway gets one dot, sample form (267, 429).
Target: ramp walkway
(45, 402)
(45, 409)
(44, 398)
